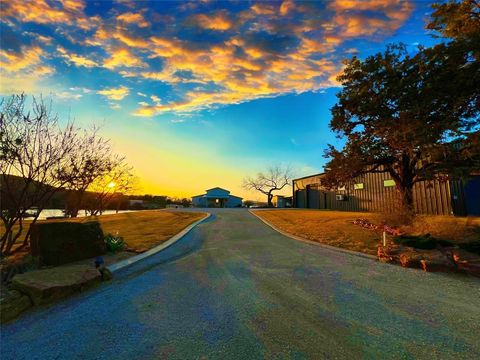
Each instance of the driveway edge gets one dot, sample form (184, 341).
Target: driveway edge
(298, 238)
(134, 259)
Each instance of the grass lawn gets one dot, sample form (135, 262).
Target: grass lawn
(335, 228)
(142, 230)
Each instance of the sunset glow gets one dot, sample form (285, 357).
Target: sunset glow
(199, 94)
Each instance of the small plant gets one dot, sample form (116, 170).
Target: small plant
(114, 243)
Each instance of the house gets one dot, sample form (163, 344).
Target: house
(217, 197)
(376, 192)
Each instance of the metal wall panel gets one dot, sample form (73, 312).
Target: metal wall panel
(430, 197)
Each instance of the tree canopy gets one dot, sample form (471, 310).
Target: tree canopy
(414, 116)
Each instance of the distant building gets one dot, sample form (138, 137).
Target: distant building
(217, 197)
(281, 201)
(135, 202)
(376, 192)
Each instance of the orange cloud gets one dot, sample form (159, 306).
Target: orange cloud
(45, 12)
(369, 17)
(133, 18)
(276, 54)
(130, 40)
(115, 93)
(25, 59)
(122, 58)
(286, 7)
(77, 60)
(22, 71)
(263, 9)
(218, 21)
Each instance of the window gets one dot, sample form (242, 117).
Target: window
(358, 186)
(387, 183)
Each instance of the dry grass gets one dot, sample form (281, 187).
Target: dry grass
(327, 227)
(142, 230)
(454, 229)
(335, 228)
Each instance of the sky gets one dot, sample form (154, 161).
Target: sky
(200, 94)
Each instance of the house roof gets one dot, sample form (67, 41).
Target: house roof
(217, 196)
(219, 188)
(309, 176)
(238, 197)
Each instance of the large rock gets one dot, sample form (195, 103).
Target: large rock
(58, 243)
(390, 253)
(49, 285)
(435, 260)
(467, 261)
(411, 259)
(12, 304)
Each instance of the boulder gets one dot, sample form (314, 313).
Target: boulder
(411, 259)
(49, 285)
(12, 304)
(57, 243)
(390, 253)
(467, 261)
(434, 260)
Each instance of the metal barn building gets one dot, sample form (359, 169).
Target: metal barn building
(376, 192)
(217, 197)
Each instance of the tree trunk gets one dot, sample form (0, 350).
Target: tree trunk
(405, 209)
(270, 197)
(76, 203)
(407, 198)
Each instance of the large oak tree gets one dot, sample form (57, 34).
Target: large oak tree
(415, 117)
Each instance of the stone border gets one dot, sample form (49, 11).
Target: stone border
(132, 260)
(295, 237)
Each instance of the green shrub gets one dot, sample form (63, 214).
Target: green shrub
(114, 243)
(421, 242)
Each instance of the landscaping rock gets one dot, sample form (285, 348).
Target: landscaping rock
(64, 242)
(434, 260)
(389, 253)
(411, 259)
(49, 285)
(12, 304)
(467, 261)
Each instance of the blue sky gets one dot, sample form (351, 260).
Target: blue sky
(200, 94)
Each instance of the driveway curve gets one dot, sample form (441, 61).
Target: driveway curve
(233, 288)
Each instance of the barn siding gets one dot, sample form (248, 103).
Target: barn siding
(433, 197)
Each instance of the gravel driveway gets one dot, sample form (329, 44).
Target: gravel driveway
(233, 288)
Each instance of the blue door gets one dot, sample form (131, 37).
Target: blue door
(472, 196)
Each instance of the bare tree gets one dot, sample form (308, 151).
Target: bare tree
(93, 160)
(119, 180)
(35, 156)
(274, 179)
(39, 157)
